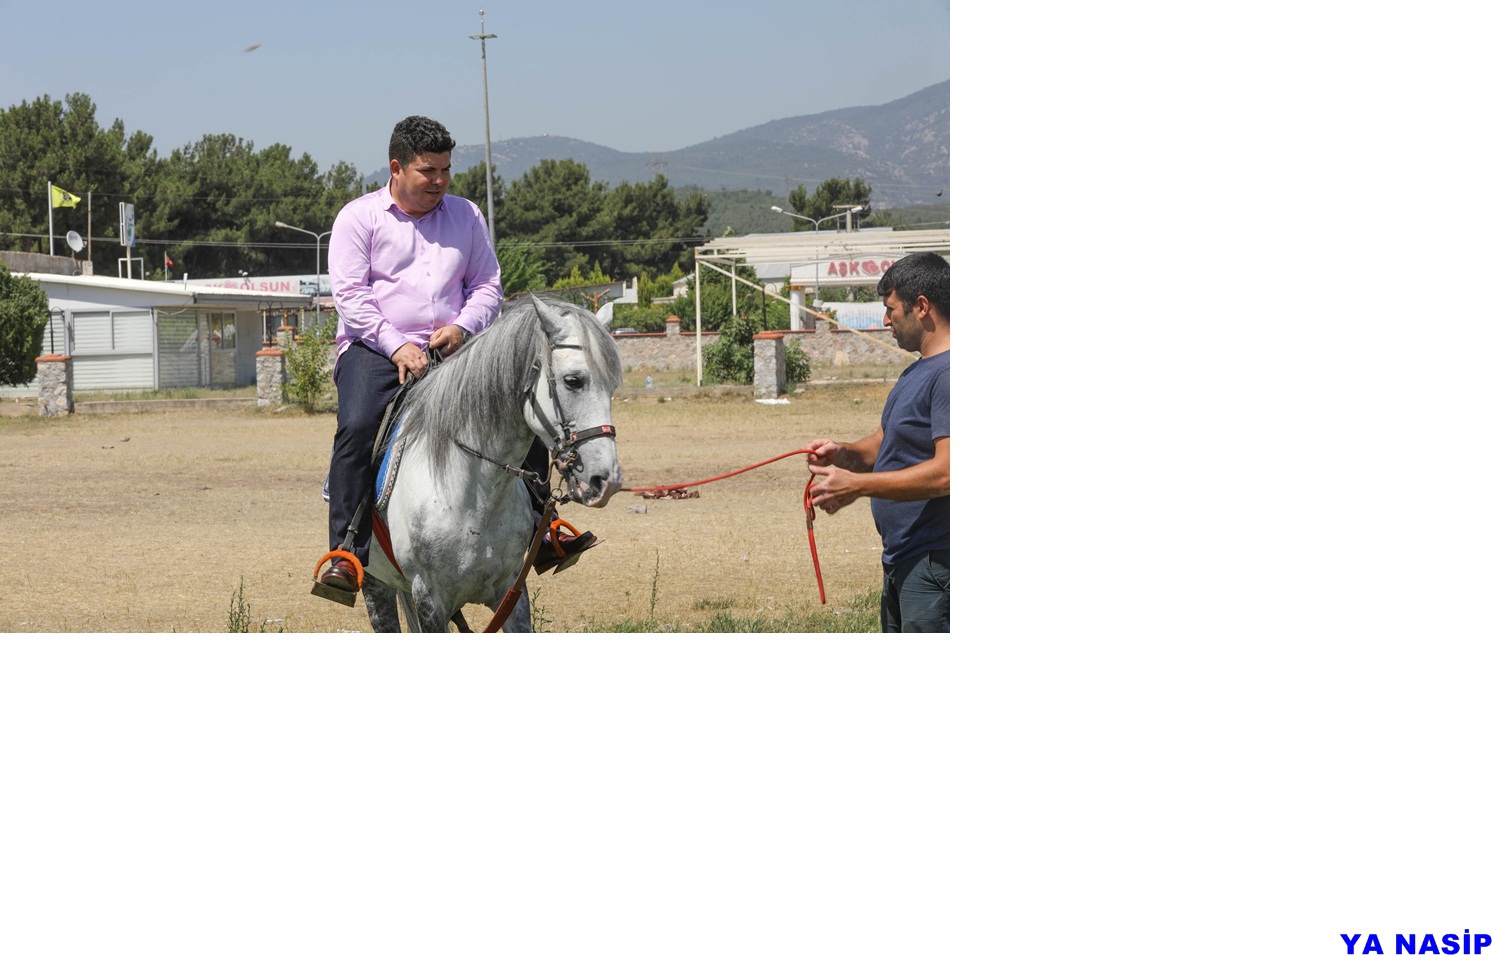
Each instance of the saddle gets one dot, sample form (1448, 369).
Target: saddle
(383, 481)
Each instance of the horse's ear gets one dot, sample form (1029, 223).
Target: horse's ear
(551, 320)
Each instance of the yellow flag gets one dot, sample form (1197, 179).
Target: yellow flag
(62, 199)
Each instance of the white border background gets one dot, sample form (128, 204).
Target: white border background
(1243, 380)
(1219, 685)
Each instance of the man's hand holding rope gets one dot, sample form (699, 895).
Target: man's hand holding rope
(837, 466)
(834, 487)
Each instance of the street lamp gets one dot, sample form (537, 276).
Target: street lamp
(817, 222)
(484, 36)
(318, 237)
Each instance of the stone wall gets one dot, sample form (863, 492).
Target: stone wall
(42, 263)
(269, 367)
(827, 348)
(769, 361)
(54, 385)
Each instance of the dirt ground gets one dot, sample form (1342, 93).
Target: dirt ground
(151, 522)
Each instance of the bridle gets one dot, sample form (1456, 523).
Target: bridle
(564, 437)
(567, 439)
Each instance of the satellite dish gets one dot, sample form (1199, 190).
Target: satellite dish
(74, 242)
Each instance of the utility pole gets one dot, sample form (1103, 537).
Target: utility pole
(484, 36)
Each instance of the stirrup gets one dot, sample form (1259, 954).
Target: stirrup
(580, 542)
(344, 597)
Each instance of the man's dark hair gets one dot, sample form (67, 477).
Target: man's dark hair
(921, 273)
(418, 134)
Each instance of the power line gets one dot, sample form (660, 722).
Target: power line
(559, 243)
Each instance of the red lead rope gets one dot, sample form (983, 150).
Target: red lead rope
(807, 504)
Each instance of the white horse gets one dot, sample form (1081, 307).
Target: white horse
(460, 515)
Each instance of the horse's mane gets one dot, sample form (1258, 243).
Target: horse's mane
(483, 387)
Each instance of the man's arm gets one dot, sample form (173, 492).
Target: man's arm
(839, 486)
(857, 456)
(349, 267)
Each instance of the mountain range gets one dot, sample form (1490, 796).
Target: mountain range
(901, 149)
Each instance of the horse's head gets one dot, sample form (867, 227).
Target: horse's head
(570, 406)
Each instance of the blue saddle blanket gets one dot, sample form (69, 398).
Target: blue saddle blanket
(388, 468)
(388, 471)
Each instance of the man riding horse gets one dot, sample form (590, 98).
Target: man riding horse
(412, 269)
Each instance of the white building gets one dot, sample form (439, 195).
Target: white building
(810, 261)
(133, 334)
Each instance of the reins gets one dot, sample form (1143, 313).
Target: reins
(807, 504)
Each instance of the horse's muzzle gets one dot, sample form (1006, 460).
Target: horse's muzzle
(596, 490)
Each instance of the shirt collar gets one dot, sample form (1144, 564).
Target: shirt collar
(387, 202)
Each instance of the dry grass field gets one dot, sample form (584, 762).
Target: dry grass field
(152, 522)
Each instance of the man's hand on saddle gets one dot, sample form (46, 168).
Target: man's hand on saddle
(410, 359)
(447, 338)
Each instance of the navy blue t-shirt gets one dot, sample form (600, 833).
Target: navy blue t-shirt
(916, 415)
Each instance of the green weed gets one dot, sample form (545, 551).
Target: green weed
(239, 615)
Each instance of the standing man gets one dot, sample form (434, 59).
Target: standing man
(904, 468)
(411, 268)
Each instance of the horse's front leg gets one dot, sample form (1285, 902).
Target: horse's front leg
(432, 614)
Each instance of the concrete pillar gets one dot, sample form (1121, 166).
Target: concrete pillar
(671, 327)
(269, 369)
(769, 354)
(54, 384)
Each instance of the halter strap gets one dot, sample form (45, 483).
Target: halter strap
(566, 439)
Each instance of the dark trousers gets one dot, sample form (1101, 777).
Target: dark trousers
(366, 383)
(914, 594)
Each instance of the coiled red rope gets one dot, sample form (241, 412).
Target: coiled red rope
(807, 504)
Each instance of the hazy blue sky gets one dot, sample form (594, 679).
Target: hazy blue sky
(331, 80)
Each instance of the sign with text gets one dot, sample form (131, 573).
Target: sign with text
(861, 270)
(299, 284)
(127, 224)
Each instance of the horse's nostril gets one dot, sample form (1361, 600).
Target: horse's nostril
(598, 484)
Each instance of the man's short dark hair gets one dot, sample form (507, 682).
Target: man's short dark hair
(418, 134)
(921, 273)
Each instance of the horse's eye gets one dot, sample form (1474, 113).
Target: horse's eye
(575, 382)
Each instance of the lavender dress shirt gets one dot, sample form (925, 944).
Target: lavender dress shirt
(395, 279)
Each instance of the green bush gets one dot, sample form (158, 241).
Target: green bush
(731, 358)
(23, 320)
(307, 365)
(644, 318)
(798, 368)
